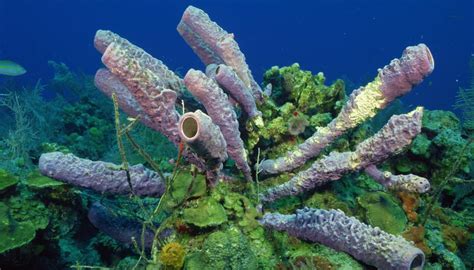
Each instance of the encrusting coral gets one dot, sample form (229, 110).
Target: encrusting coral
(148, 91)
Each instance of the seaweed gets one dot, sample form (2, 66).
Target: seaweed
(465, 101)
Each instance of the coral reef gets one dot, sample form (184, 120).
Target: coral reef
(148, 91)
(228, 183)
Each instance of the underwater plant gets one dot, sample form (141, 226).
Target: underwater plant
(148, 92)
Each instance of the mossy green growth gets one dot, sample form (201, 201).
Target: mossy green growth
(297, 123)
(36, 180)
(305, 90)
(7, 180)
(452, 144)
(421, 146)
(275, 129)
(205, 213)
(320, 119)
(239, 208)
(436, 121)
(228, 249)
(25, 209)
(13, 234)
(186, 186)
(327, 200)
(54, 147)
(383, 211)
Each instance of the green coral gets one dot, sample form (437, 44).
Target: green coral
(205, 213)
(37, 180)
(298, 123)
(320, 119)
(421, 145)
(13, 233)
(7, 180)
(25, 209)
(307, 91)
(381, 210)
(451, 144)
(435, 121)
(86, 126)
(296, 95)
(228, 249)
(186, 186)
(327, 200)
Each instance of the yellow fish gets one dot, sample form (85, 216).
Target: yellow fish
(11, 68)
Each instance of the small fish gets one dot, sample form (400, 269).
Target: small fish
(11, 68)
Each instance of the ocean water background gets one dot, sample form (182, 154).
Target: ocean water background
(339, 37)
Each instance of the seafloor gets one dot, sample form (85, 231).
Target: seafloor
(212, 203)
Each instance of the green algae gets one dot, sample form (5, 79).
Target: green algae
(7, 180)
(305, 90)
(37, 180)
(227, 249)
(186, 186)
(381, 210)
(13, 233)
(327, 200)
(24, 209)
(420, 146)
(206, 213)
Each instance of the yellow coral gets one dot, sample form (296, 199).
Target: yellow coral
(172, 255)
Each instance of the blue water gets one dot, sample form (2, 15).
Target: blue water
(350, 38)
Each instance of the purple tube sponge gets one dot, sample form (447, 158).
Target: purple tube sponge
(214, 45)
(120, 228)
(235, 87)
(205, 138)
(145, 86)
(100, 176)
(219, 109)
(340, 232)
(394, 80)
(108, 83)
(401, 182)
(391, 139)
(137, 64)
(149, 82)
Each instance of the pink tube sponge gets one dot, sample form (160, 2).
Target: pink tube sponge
(393, 80)
(340, 232)
(219, 109)
(198, 131)
(108, 83)
(391, 139)
(214, 45)
(402, 74)
(100, 176)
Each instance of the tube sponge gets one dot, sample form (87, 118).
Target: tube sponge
(205, 138)
(401, 182)
(222, 114)
(394, 80)
(340, 232)
(119, 227)
(214, 45)
(235, 87)
(391, 139)
(108, 83)
(100, 176)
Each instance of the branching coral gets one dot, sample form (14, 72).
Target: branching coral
(148, 91)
